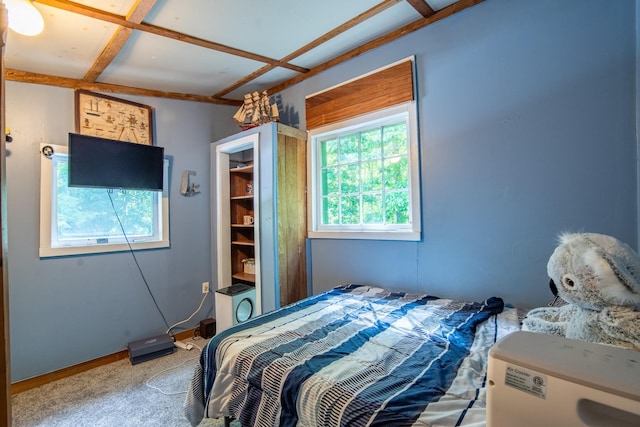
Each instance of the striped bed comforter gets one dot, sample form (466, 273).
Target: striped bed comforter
(353, 356)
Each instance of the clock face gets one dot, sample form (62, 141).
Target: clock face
(107, 117)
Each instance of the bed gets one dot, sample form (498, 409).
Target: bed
(356, 355)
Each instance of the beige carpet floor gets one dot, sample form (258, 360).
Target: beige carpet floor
(151, 393)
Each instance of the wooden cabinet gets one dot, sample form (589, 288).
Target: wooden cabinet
(261, 174)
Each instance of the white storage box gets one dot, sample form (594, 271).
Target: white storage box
(539, 380)
(249, 265)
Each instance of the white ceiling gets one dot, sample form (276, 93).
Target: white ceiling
(163, 53)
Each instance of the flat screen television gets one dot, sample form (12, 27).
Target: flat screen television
(106, 163)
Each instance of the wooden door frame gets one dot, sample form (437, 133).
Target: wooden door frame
(5, 355)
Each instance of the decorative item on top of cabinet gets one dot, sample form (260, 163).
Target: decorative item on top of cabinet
(256, 110)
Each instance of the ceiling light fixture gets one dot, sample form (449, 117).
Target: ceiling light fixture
(24, 18)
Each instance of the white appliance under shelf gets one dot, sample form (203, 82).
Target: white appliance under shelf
(235, 304)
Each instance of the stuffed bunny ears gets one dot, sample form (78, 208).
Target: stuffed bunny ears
(614, 262)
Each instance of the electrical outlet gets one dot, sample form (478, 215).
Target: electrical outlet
(205, 287)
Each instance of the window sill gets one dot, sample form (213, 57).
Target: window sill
(97, 249)
(413, 236)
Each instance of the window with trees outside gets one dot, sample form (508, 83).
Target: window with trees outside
(365, 178)
(77, 220)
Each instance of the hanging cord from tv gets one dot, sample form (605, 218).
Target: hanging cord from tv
(109, 191)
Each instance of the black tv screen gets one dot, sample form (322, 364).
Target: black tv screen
(106, 163)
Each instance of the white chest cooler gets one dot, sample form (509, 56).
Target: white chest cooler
(539, 380)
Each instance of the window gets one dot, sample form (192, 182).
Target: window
(83, 220)
(364, 177)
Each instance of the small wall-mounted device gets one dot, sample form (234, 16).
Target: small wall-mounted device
(47, 151)
(188, 188)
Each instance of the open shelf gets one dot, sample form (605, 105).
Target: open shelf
(239, 243)
(245, 277)
(244, 169)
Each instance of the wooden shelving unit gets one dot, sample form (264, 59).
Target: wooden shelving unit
(242, 235)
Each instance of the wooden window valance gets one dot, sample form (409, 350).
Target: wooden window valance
(385, 88)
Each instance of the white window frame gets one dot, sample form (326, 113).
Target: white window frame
(48, 246)
(411, 231)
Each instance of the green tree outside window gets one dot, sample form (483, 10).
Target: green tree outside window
(365, 177)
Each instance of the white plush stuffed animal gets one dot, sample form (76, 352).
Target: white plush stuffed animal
(599, 278)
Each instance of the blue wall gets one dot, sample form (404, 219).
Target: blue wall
(64, 311)
(527, 115)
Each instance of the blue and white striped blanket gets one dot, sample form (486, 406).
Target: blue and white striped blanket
(357, 356)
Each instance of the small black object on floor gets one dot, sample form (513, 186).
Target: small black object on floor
(207, 328)
(150, 348)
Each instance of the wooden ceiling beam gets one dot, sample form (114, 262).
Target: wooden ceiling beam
(386, 4)
(43, 79)
(140, 10)
(108, 54)
(137, 13)
(73, 7)
(403, 31)
(422, 7)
